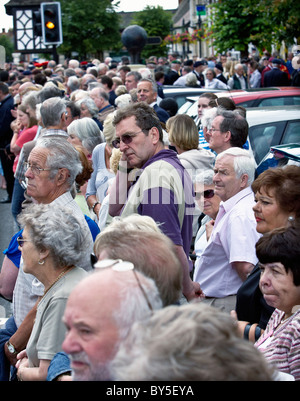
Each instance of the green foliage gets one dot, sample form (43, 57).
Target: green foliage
(156, 22)
(89, 27)
(235, 23)
(6, 42)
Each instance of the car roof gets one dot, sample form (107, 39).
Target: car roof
(259, 115)
(185, 89)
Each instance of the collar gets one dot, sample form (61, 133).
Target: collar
(228, 205)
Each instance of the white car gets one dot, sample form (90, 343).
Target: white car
(272, 126)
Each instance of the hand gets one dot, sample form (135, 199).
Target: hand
(239, 323)
(195, 292)
(22, 364)
(208, 228)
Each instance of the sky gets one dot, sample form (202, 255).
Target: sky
(6, 21)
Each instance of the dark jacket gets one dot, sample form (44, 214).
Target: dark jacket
(5, 120)
(276, 77)
(162, 114)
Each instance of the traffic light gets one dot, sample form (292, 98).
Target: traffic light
(37, 23)
(51, 23)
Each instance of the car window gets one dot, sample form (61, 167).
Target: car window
(292, 133)
(247, 103)
(263, 136)
(280, 101)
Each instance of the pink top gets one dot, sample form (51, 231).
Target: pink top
(26, 135)
(280, 343)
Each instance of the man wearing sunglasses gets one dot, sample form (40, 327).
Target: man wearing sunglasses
(229, 255)
(162, 189)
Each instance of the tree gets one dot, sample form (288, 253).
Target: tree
(7, 43)
(236, 23)
(89, 27)
(156, 22)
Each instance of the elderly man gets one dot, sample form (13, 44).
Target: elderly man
(238, 80)
(230, 253)
(163, 189)
(97, 317)
(101, 99)
(229, 129)
(52, 167)
(276, 77)
(147, 92)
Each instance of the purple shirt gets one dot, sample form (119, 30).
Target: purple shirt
(233, 239)
(164, 191)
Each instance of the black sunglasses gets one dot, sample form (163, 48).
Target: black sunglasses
(209, 193)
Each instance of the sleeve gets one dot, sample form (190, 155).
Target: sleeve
(12, 251)
(91, 186)
(50, 341)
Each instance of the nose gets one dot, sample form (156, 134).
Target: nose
(264, 279)
(70, 345)
(256, 207)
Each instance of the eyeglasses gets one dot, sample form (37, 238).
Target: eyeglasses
(126, 139)
(209, 193)
(119, 265)
(21, 241)
(35, 170)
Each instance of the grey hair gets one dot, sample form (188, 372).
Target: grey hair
(208, 117)
(109, 130)
(86, 129)
(243, 162)
(73, 83)
(205, 177)
(188, 342)
(52, 110)
(61, 155)
(153, 83)
(57, 230)
(90, 104)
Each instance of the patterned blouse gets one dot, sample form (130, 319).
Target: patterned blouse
(280, 343)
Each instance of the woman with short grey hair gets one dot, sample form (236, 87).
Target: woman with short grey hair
(51, 244)
(86, 133)
(89, 109)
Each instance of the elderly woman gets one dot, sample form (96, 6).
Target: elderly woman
(208, 203)
(98, 184)
(277, 196)
(86, 133)
(89, 109)
(211, 82)
(51, 245)
(279, 255)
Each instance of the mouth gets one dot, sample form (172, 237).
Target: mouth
(258, 219)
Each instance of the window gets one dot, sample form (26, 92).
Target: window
(292, 133)
(263, 136)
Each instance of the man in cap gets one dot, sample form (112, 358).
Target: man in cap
(276, 77)
(219, 73)
(199, 67)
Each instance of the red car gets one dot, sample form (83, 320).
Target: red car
(263, 97)
(280, 96)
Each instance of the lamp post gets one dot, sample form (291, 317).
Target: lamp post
(200, 9)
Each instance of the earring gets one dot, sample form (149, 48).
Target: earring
(41, 262)
(291, 218)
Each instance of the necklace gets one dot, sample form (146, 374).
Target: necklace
(56, 280)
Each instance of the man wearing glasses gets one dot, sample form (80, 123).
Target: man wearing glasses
(161, 188)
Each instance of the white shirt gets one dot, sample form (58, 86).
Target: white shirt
(233, 239)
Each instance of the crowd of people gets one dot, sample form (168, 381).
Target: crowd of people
(146, 245)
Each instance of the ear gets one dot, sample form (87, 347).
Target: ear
(44, 254)
(154, 133)
(227, 136)
(244, 180)
(62, 176)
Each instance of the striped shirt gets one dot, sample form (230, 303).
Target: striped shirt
(280, 344)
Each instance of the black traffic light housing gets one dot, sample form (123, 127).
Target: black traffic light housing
(37, 23)
(51, 23)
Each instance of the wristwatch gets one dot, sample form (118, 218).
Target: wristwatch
(11, 348)
(94, 205)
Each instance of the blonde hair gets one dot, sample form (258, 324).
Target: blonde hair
(183, 132)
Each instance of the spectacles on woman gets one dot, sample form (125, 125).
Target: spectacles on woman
(21, 241)
(209, 193)
(119, 265)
